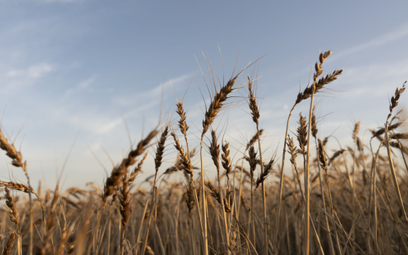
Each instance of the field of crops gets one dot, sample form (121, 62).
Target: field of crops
(305, 199)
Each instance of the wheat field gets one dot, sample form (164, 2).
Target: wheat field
(305, 199)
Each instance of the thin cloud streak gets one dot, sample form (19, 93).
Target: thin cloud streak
(130, 99)
(34, 71)
(373, 79)
(381, 40)
(100, 123)
(80, 87)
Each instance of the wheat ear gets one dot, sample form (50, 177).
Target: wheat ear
(17, 161)
(253, 106)
(210, 114)
(329, 232)
(308, 92)
(116, 175)
(215, 155)
(158, 161)
(10, 244)
(393, 104)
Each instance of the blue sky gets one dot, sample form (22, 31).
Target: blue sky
(84, 68)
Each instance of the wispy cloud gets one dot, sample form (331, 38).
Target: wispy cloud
(374, 80)
(80, 87)
(100, 120)
(170, 83)
(381, 40)
(93, 123)
(34, 71)
(155, 92)
(17, 79)
(109, 126)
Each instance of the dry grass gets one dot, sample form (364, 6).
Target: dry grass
(353, 199)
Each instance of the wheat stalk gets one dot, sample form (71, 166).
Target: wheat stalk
(211, 113)
(17, 161)
(116, 175)
(253, 105)
(10, 243)
(215, 155)
(393, 104)
(158, 161)
(308, 92)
